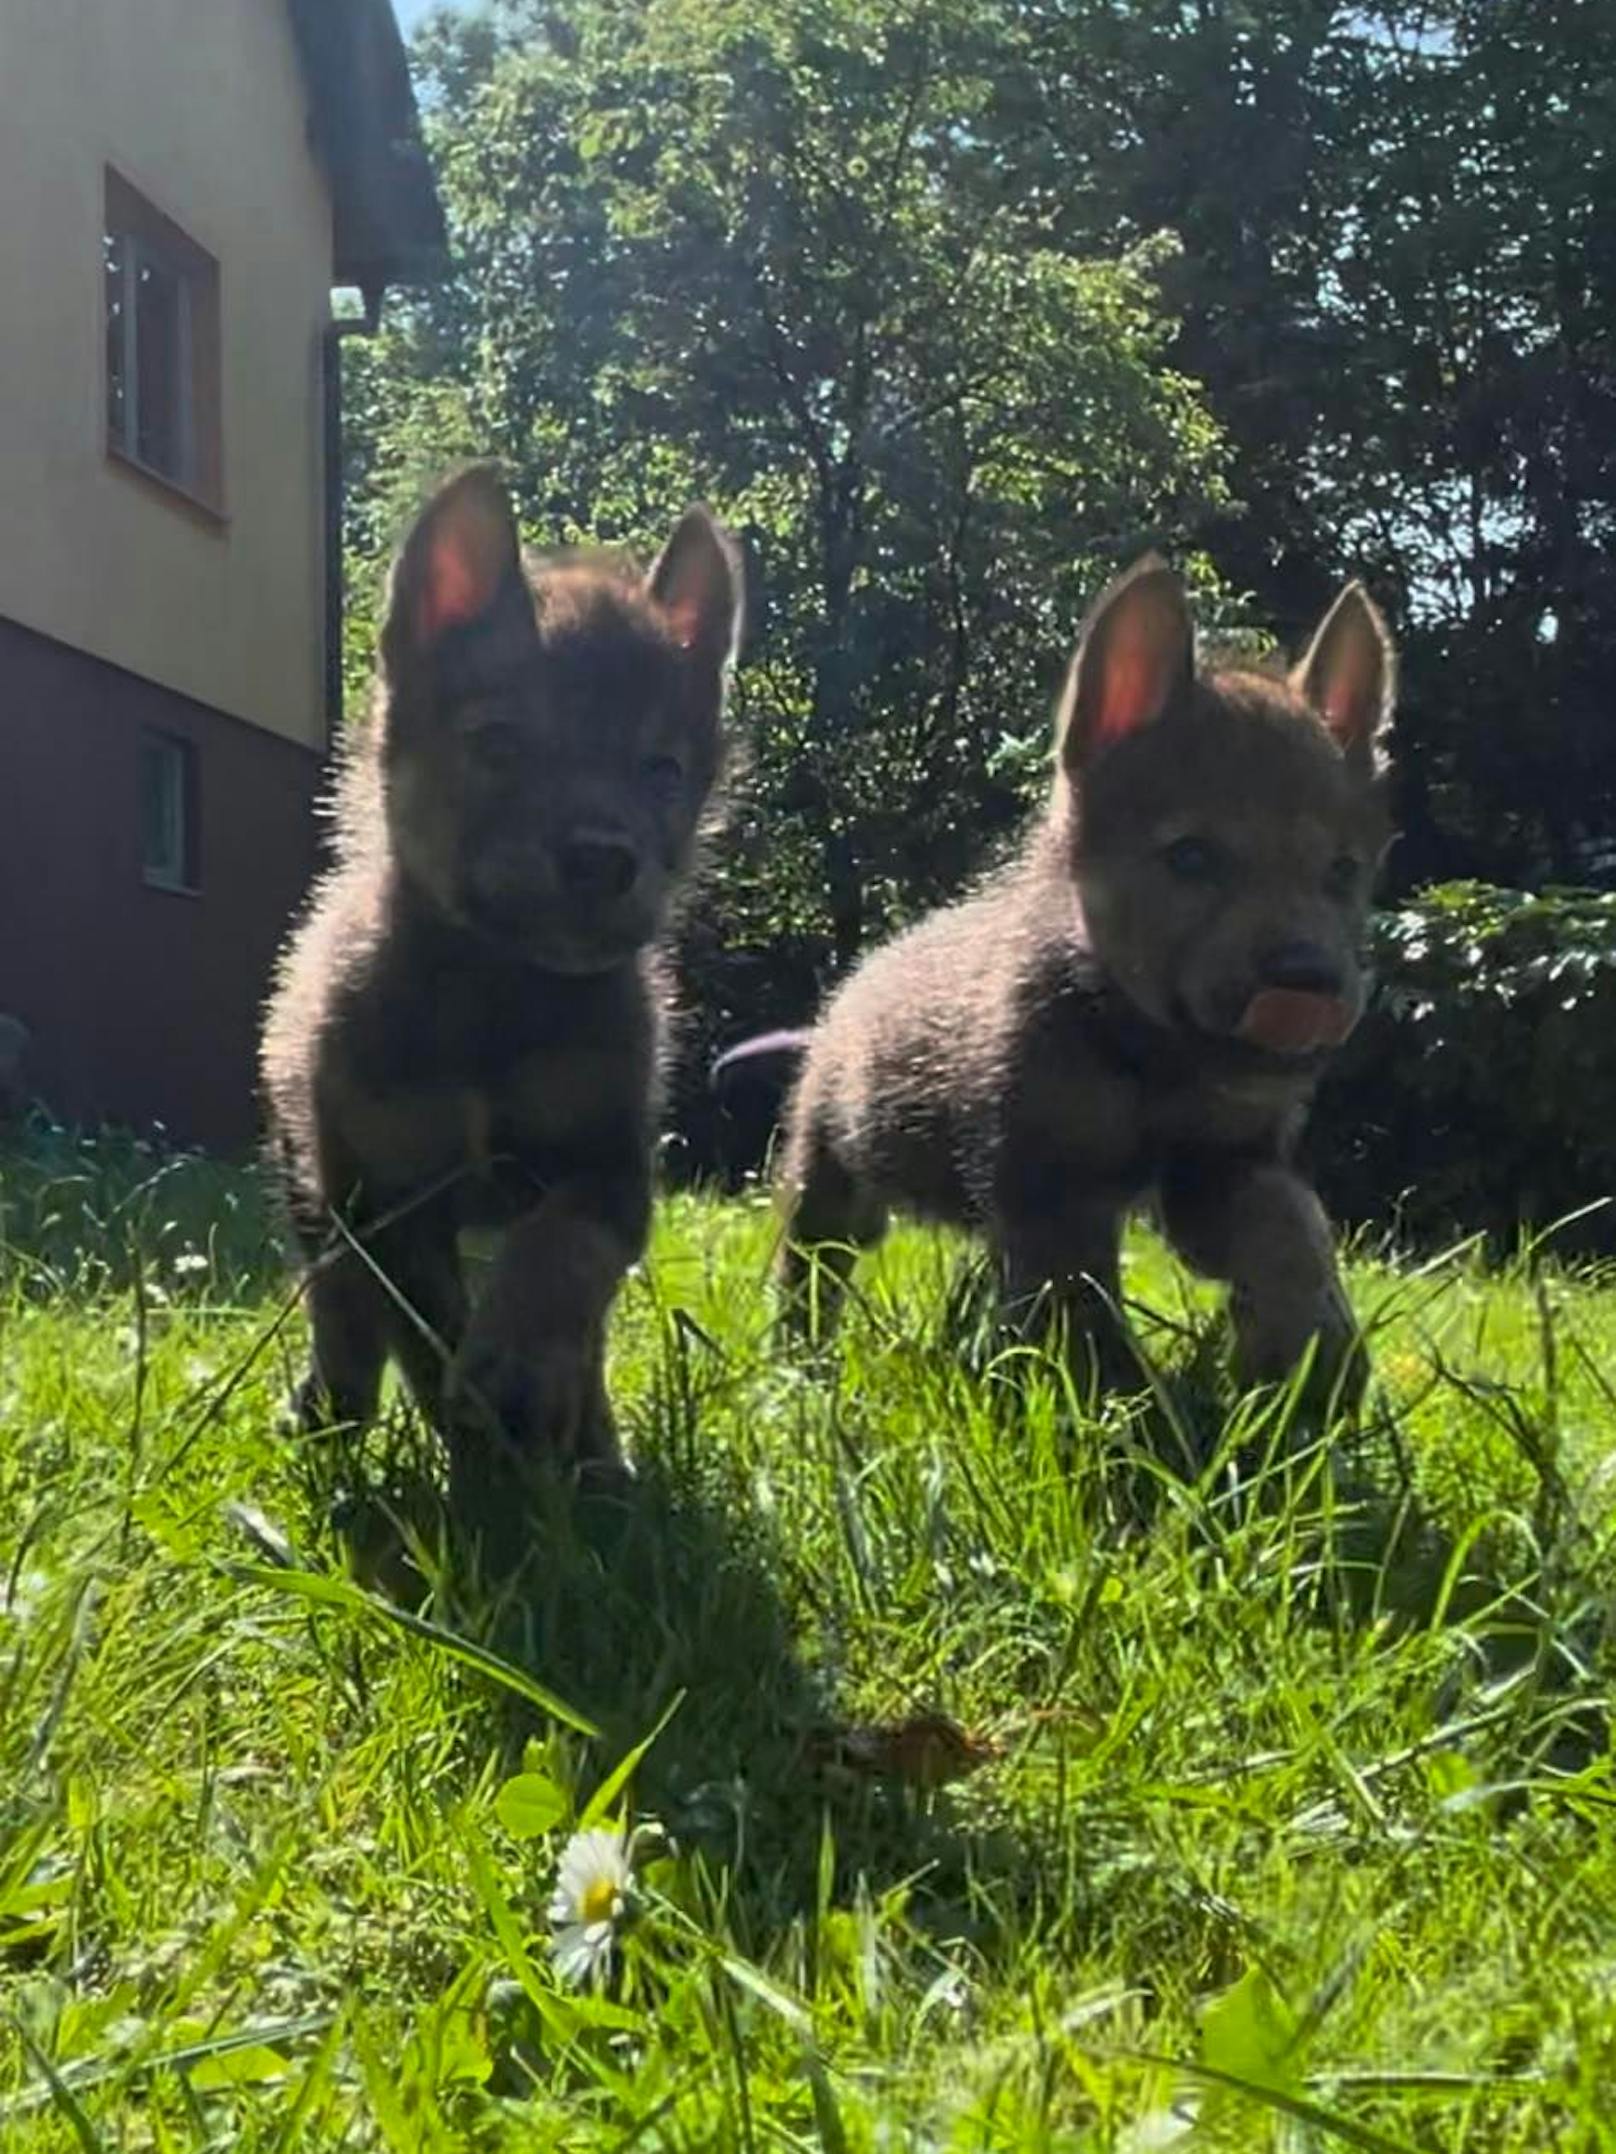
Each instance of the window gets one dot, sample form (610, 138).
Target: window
(162, 323)
(170, 826)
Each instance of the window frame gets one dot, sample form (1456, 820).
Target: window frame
(183, 879)
(137, 252)
(143, 234)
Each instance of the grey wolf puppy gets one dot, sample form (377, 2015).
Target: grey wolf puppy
(466, 1029)
(1138, 1007)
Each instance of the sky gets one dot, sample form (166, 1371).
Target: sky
(409, 12)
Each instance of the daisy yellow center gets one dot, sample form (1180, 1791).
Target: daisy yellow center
(598, 1900)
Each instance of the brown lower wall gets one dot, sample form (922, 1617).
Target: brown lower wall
(143, 1003)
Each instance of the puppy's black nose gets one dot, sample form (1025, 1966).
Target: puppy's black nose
(1303, 967)
(595, 864)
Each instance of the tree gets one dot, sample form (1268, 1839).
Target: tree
(761, 252)
(951, 308)
(1398, 284)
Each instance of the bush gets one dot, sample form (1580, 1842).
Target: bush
(1480, 1091)
(93, 1210)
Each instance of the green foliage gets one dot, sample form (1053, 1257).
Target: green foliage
(90, 1210)
(1292, 1828)
(769, 255)
(1477, 1094)
(1398, 289)
(952, 307)
(738, 244)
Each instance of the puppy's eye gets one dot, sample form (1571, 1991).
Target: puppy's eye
(1342, 876)
(664, 774)
(1196, 860)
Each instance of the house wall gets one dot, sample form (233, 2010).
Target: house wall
(200, 105)
(143, 1003)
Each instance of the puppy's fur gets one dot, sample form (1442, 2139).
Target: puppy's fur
(1138, 1007)
(465, 1031)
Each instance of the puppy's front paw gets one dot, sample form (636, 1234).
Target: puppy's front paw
(303, 1409)
(543, 1400)
(1338, 1373)
(309, 1409)
(492, 1396)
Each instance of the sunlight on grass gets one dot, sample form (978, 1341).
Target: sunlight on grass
(1282, 1812)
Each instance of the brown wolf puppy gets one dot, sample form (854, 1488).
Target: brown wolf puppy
(465, 1030)
(1139, 1006)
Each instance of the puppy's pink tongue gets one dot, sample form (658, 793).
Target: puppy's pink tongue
(1288, 1021)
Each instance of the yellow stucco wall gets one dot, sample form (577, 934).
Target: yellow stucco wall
(200, 105)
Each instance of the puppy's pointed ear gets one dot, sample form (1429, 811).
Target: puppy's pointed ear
(698, 583)
(462, 557)
(1349, 676)
(1134, 661)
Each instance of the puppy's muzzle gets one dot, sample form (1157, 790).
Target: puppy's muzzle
(1302, 1006)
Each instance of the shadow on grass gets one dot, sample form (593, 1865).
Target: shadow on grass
(670, 1588)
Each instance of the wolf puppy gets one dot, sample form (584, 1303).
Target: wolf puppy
(1138, 1007)
(465, 1030)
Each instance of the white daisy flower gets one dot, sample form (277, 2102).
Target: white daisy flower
(590, 1900)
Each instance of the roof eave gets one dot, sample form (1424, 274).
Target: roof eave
(387, 219)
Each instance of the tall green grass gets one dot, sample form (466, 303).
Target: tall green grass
(1291, 1822)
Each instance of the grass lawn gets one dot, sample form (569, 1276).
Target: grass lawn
(1290, 1819)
